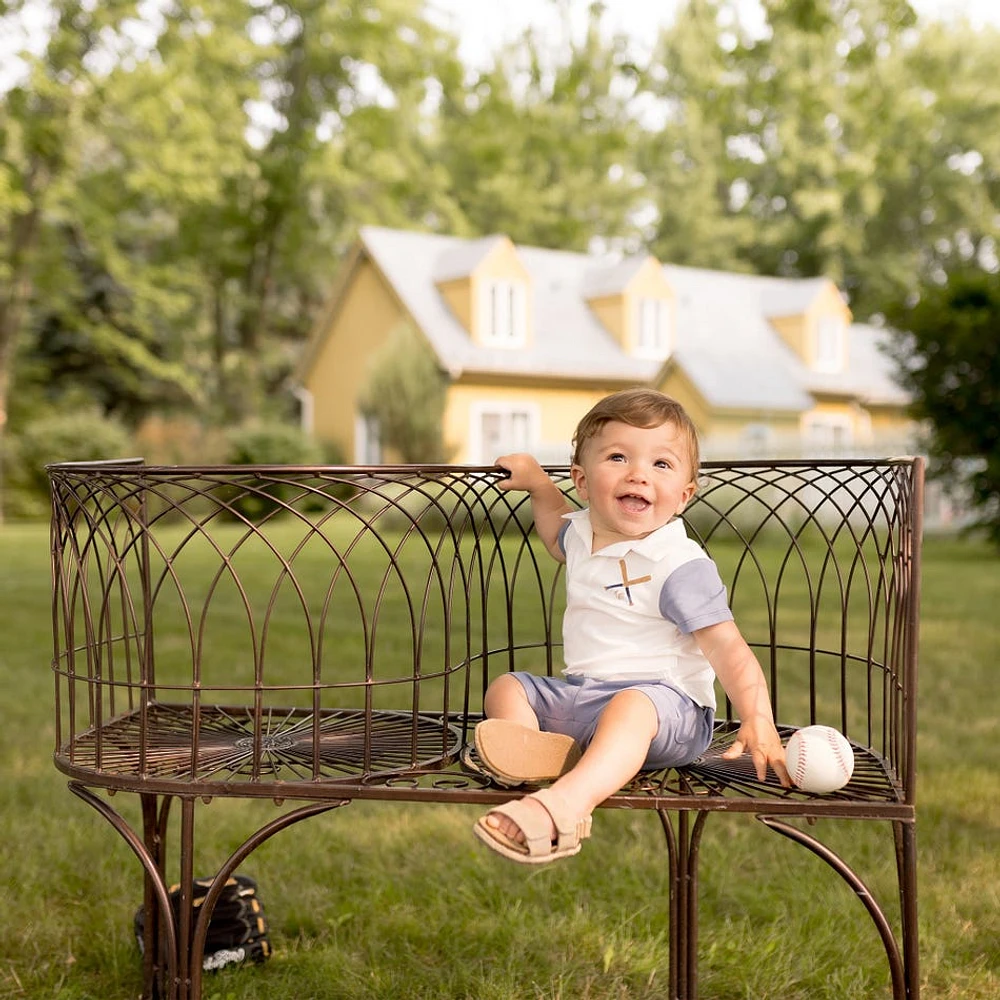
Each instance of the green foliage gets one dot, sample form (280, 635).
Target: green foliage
(405, 392)
(846, 140)
(948, 359)
(175, 195)
(539, 147)
(269, 444)
(177, 186)
(259, 443)
(86, 436)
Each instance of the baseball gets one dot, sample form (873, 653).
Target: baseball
(819, 759)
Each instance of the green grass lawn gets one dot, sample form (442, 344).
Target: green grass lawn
(385, 901)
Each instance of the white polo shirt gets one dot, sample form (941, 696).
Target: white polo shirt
(631, 607)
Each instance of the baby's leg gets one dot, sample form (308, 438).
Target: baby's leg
(614, 756)
(506, 699)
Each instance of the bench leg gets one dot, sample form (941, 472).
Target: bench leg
(159, 913)
(175, 945)
(906, 864)
(683, 844)
(155, 977)
(900, 990)
(232, 863)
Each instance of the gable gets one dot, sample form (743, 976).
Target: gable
(488, 292)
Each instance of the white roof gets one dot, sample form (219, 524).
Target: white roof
(724, 341)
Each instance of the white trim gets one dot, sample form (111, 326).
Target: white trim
(503, 314)
(508, 442)
(831, 433)
(653, 328)
(829, 344)
(307, 408)
(756, 440)
(367, 443)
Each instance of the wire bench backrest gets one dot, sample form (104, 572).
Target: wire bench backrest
(404, 590)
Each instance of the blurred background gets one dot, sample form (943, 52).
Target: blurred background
(382, 230)
(329, 231)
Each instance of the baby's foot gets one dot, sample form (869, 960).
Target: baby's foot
(515, 754)
(534, 830)
(506, 826)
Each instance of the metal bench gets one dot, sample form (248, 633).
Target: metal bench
(317, 635)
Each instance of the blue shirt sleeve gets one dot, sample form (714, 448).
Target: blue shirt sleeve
(694, 596)
(561, 537)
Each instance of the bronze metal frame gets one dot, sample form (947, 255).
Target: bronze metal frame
(375, 604)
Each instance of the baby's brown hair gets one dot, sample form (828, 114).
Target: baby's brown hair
(638, 407)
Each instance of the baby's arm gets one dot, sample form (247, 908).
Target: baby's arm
(547, 501)
(743, 681)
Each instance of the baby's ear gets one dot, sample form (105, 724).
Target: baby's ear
(579, 478)
(687, 495)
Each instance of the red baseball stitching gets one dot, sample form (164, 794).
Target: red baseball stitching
(800, 764)
(838, 751)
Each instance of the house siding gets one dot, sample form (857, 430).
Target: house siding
(361, 324)
(558, 411)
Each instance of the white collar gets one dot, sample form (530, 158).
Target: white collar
(654, 546)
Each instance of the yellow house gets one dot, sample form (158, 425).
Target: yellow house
(530, 338)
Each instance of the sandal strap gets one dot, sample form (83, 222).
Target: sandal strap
(570, 829)
(534, 828)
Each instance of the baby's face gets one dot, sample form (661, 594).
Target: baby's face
(634, 479)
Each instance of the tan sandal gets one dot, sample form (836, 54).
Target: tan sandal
(516, 754)
(538, 848)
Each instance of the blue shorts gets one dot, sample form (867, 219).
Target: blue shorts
(572, 705)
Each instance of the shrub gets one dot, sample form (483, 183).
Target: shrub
(88, 436)
(270, 444)
(406, 392)
(174, 439)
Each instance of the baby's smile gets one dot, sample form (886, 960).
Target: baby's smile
(634, 503)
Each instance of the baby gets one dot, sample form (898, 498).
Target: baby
(647, 629)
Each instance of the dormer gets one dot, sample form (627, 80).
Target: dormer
(634, 302)
(488, 289)
(812, 318)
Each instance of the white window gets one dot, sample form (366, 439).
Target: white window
(755, 441)
(504, 314)
(367, 441)
(831, 335)
(828, 434)
(498, 429)
(653, 328)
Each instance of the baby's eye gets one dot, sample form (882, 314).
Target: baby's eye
(662, 463)
(616, 457)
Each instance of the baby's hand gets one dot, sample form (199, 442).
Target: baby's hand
(524, 472)
(760, 739)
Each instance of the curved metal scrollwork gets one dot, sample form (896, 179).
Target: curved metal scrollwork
(184, 957)
(861, 891)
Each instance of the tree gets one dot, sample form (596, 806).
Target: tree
(948, 359)
(336, 141)
(406, 392)
(694, 173)
(41, 118)
(539, 147)
(845, 140)
(177, 181)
